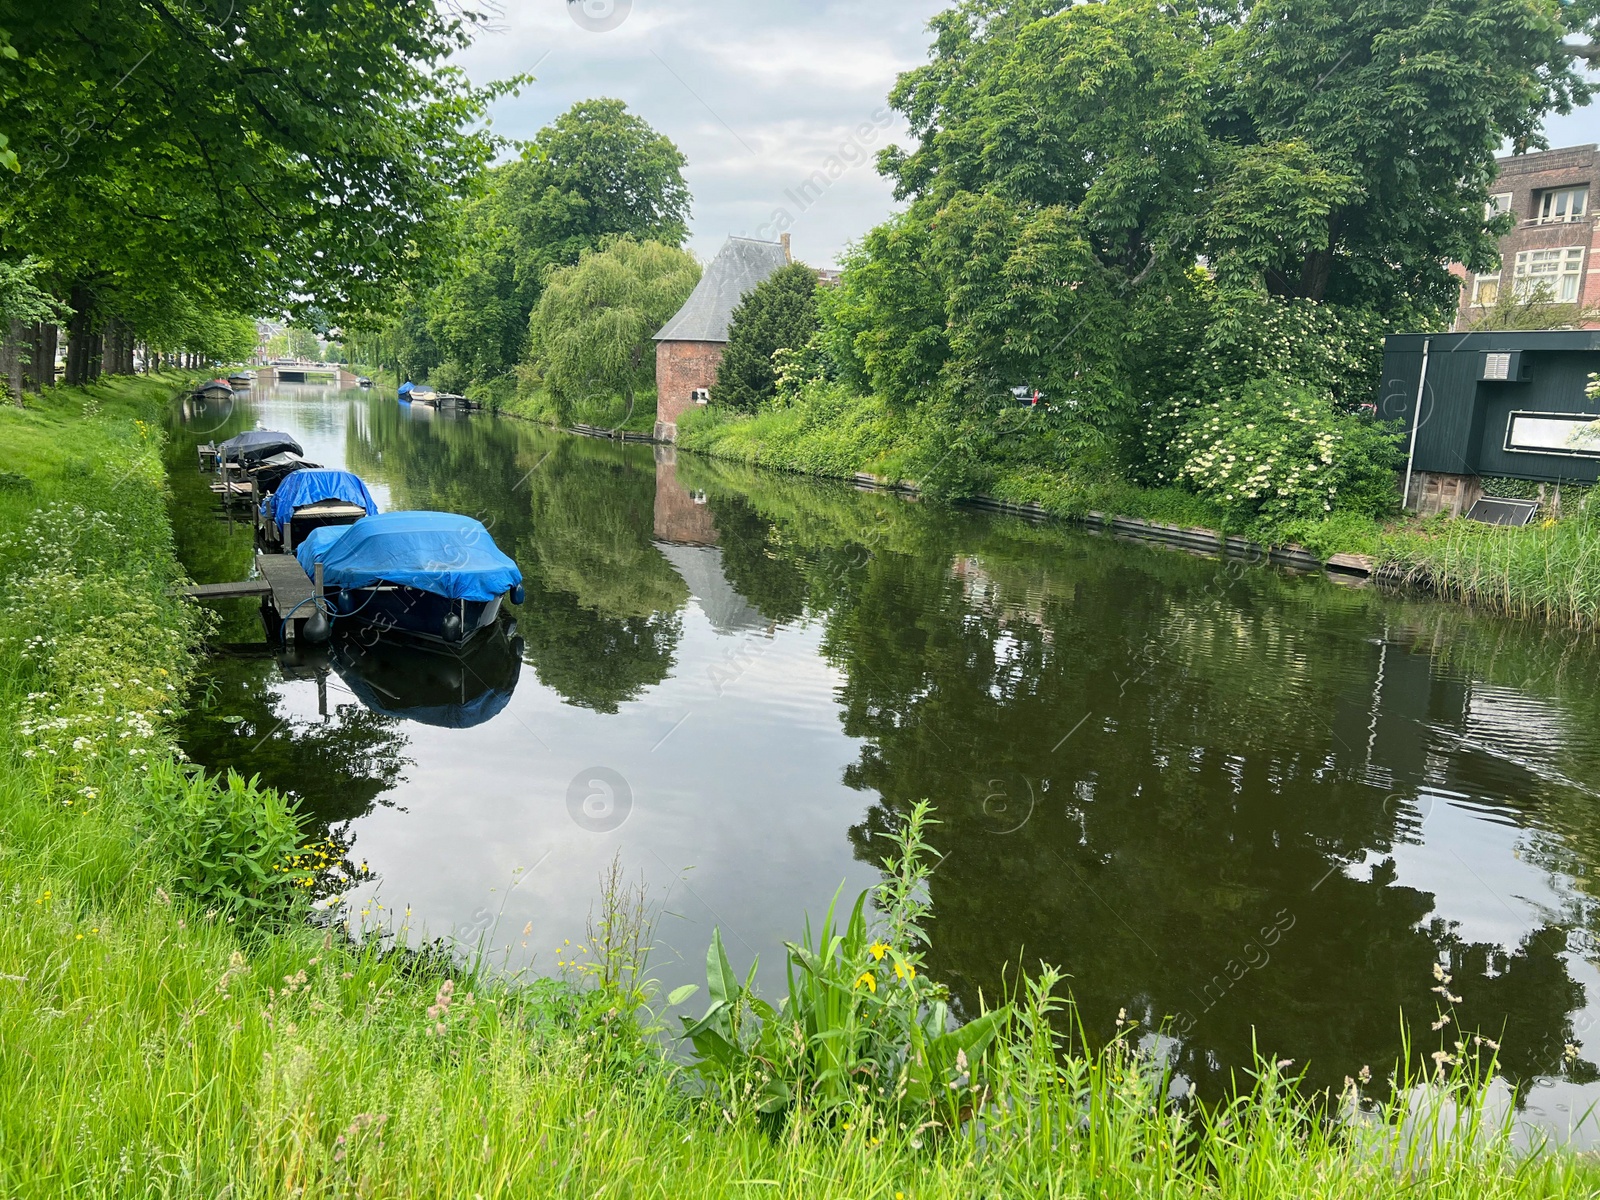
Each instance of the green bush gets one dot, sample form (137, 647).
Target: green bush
(234, 844)
(779, 313)
(1274, 450)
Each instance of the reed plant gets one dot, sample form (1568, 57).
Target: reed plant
(161, 1038)
(1550, 570)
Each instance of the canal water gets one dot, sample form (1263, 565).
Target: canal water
(1255, 807)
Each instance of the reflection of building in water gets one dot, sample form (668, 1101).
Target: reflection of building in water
(686, 535)
(682, 517)
(1008, 604)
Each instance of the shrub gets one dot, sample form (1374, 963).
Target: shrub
(1274, 450)
(235, 843)
(780, 313)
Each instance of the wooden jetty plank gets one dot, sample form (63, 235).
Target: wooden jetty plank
(244, 589)
(231, 488)
(291, 586)
(1355, 564)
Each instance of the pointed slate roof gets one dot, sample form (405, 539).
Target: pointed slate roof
(738, 267)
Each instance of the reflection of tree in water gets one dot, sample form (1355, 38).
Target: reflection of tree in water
(338, 768)
(1211, 844)
(1179, 852)
(600, 618)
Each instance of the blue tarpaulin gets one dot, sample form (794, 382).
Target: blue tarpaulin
(443, 553)
(406, 389)
(312, 487)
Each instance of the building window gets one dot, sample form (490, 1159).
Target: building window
(1560, 271)
(1485, 290)
(1563, 204)
(1498, 203)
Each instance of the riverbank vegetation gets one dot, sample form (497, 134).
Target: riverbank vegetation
(174, 1024)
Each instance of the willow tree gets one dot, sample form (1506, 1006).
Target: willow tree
(591, 335)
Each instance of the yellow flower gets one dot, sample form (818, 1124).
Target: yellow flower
(868, 981)
(904, 970)
(878, 950)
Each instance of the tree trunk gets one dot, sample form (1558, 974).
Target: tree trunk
(40, 341)
(80, 332)
(11, 356)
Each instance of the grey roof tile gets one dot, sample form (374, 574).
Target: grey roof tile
(738, 267)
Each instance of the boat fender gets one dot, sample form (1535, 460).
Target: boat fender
(518, 595)
(451, 627)
(317, 628)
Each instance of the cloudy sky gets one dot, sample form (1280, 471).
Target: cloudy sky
(757, 93)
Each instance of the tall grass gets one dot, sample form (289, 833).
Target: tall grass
(163, 1039)
(1551, 570)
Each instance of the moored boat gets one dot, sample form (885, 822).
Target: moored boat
(434, 576)
(252, 446)
(313, 498)
(241, 379)
(214, 389)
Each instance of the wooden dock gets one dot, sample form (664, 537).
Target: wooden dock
(280, 581)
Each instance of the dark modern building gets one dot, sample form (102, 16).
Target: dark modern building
(1491, 404)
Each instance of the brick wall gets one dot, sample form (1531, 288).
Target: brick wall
(1526, 176)
(680, 368)
(679, 517)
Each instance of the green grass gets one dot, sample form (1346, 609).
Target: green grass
(1549, 570)
(156, 1044)
(606, 412)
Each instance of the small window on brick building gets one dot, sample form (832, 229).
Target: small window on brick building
(1485, 290)
(701, 395)
(1498, 203)
(1559, 270)
(1563, 204)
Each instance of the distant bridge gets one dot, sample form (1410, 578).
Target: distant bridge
(301, 372)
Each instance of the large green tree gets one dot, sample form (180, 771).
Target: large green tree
(1073, 163)
(596, 172)
(591, 334)
(288, 154)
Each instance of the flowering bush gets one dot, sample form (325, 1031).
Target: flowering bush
(1273, 450)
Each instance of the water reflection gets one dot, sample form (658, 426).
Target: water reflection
(1257, 807)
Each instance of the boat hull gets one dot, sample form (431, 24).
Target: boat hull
(412, 613)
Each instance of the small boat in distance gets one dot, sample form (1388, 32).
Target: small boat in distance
(242, 379)
(313, 498)
(437, 577)
(411, 393)
(363, 381)
(214, 389)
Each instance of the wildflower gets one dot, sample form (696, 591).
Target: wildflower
(878, 950)
(867, 980)
(904, 970)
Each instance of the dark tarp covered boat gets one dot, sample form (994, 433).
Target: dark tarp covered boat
(248, 448)
(312, 498)
(412, 393)
(453, 691)
(436, 576)
(241, 379)
(271, 471)
(214, 389)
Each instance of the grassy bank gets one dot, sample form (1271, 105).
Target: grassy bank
(1549, 570)
(173, 1025)
(605, 412)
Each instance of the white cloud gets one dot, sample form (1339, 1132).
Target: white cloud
(756, 94)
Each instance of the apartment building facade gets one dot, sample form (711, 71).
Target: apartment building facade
(1553, 241)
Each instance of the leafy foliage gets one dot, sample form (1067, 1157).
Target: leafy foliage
(779, 313)
(591, 333)
(861, 1020)
(593, 174)
(1276, 450)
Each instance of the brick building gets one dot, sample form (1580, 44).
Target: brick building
(689, 347)
(1553, 241)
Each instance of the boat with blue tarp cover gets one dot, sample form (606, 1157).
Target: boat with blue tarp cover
(431, 575)
(312, 499)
